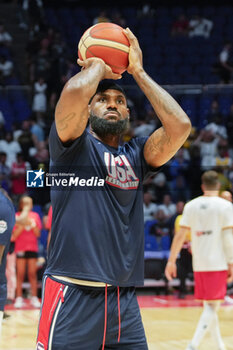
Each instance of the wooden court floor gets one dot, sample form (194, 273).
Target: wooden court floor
(166, 328)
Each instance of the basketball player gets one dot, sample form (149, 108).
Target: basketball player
(7, 221)
(96, 251)
(210, 219)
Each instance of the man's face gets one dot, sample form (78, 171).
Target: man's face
(160, 215)
(180, 207)
(3, 158)
(166, 199)
(109, 113)
(26, 125)
(9, 137)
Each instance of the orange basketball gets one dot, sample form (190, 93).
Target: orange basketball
(106, 41)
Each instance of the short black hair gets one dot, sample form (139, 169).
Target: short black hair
(108, 85)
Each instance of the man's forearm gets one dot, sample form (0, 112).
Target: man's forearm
(165, 141)
(87, 80)
(166, 108)
(71, 114)
(177, 244)
(228, 244)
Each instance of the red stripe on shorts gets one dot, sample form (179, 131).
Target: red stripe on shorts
(53, 293)
(210, 285)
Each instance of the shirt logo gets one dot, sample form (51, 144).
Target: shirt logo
(120, 172)
(3, 226)
(201, 233)
(35, 178)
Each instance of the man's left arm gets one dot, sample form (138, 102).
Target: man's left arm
(227, 236)
(164, 142)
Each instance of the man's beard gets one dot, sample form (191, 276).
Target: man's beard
(103, 127)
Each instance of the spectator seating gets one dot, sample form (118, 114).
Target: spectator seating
(157, 249)
(169, 60)
(183, 60)
(14, 105)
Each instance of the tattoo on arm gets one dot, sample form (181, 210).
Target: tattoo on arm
(73, 123)
(82, 122)
(63, 123)
(156, 144)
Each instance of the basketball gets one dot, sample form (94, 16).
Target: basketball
(108, 42)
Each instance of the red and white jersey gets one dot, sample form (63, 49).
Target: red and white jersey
(207, 217)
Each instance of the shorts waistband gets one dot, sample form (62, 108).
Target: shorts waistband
(82, 282)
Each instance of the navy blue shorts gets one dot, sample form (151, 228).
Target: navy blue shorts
(82, 318)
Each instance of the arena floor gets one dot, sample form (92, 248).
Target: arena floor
(169, 323)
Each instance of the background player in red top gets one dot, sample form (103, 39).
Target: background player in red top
(25, 234)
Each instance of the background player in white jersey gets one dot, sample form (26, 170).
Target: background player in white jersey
(210, 219)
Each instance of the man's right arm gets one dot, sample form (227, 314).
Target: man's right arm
(71, 112)
(228, 250)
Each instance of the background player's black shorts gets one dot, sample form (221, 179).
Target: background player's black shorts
(27, 255)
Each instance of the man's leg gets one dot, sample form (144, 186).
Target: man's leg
(215, 329)
(20, 273)
(11, 276)
(132, 334)
(72, 317)
(205, 322)
(32, 275)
